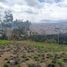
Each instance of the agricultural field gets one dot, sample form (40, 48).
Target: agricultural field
(28, 53)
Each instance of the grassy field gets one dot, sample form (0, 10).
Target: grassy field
(4, 42)
(42, 46)
(31, 52)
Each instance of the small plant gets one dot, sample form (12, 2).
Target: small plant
(34, 65)
(65, 59)
(17, 65)
(60, 61)
(51, 65)
(5, 65)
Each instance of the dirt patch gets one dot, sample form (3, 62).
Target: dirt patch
(27, 56)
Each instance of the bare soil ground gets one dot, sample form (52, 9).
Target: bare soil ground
(24, 55)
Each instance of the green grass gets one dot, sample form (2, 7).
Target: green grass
(4, 42)
(42, 46)
(49, 47)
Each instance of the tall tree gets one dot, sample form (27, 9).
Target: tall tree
(21, 28)
(7, 23)
(8, 16)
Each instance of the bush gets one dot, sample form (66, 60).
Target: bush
(51, 65)
(51, 41)
(38, 38)
(34, 65)
(17, 65)
(5, 65)
(60, 61)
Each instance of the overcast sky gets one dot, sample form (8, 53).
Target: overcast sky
(36, 10)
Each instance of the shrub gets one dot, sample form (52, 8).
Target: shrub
(17, 65)
(5, 65)
(34, 65)
(51, 65)
(38, 38)
(60, 61)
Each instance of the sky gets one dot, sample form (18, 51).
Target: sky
(36, 10)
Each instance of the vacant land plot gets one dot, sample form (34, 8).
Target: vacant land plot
(32, 54)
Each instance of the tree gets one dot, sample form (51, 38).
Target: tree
(21, 29)
(7, 23)
(8, 16)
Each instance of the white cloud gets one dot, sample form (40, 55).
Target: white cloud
(35, 11)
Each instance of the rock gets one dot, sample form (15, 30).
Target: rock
(0, 49)
(13, 62)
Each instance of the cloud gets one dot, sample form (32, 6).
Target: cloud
(36, 10)
(41, 0)
(51, 1)
(3, 1)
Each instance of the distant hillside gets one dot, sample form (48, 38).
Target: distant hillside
(49, 28)
(44, 27)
